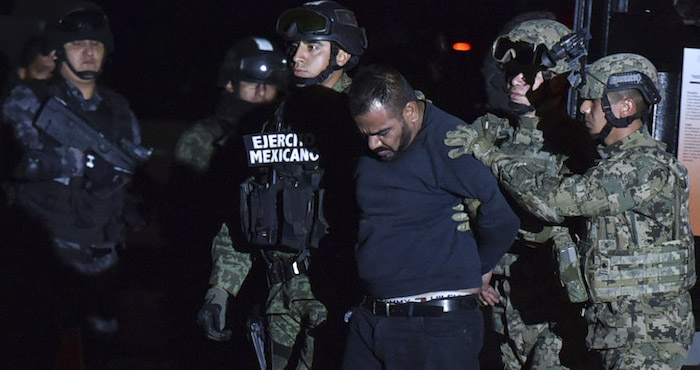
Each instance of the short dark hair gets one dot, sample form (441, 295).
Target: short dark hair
(378, 84)
(634, 94)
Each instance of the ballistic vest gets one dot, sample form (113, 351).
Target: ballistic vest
(644, 267)
(281, 204)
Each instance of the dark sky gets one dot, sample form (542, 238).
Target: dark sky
(168, 51)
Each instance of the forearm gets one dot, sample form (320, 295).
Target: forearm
(230, 267)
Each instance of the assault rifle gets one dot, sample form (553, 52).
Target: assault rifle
(66, 127)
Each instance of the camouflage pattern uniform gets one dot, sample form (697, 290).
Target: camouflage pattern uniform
(292, 311)
(531, 330)
(638, 256)
(196, 146)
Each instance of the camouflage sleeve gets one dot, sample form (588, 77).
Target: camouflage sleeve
(610, 188)
(195, 147)
(230, 267)
(19, 111)
(528, 134)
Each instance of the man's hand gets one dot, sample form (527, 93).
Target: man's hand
(488, 295)
(212, 316)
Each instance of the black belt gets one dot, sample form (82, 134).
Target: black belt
(282, 271)
(435, 307)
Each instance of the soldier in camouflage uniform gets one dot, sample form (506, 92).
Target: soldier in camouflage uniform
(638, 259)
(246, 86)
(532, 329)
(547, 334)
(326, 42)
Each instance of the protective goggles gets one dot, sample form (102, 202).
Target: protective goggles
(261, 68)
(522, 52)
(306, 21)
(82, 19)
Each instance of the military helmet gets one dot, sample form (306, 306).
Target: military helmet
(254, 59)
(77, 20)
(622, 71)
(323, 21)
(529, 40)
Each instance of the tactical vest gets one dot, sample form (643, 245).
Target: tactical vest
(640, 270)
(281, 205)
(70, 211)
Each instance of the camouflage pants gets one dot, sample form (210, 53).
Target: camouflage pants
(292, 319)
(524, 341)
(653, 333)
(647, 356)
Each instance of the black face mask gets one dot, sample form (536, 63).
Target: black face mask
(231, 108)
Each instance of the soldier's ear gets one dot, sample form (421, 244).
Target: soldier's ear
(229, 87)
(342, 58)
(628, 107)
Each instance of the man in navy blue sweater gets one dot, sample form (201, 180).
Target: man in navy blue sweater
(422, 276)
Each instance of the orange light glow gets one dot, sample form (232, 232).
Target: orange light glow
(461, 46)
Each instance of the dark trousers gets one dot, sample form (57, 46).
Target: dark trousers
(450, 341)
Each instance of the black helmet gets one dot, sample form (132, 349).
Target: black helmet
(77, 20)
(254, 59)
(323, 21)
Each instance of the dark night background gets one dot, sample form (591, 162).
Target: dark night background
(166, 61)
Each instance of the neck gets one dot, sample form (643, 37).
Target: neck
(333, 79)
(86, 87)
(619, 133)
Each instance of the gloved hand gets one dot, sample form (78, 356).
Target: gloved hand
(467, 141)
(467, 212)
(462, 139)
(212, 316)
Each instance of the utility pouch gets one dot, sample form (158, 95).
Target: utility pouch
(320, 227)
(259, 212)
(298, 211)
(570, 276)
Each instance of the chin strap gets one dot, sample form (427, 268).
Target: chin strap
(520, 109)
(83, 75)
(614, 122)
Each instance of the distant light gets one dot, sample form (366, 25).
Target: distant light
(461, 46)
(263, 68)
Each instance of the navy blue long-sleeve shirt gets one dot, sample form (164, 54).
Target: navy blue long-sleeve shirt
(407, 242)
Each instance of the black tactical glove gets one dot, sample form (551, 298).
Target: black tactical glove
(212, 316)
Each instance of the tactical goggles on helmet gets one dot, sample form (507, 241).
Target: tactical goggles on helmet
(260, 68)
(82, 19)
(307, 21)
(522, 52)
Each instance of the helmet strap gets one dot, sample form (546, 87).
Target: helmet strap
(83, 75)
(332, 67)
(614, 122)
(520, 109)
